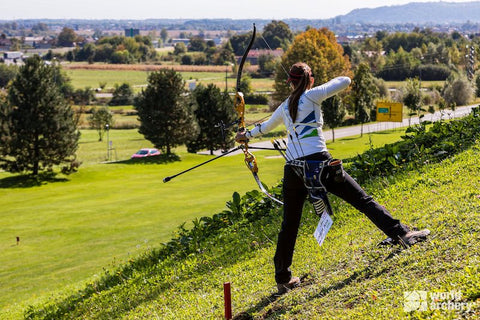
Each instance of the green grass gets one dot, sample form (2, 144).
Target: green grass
(92, 78)
(82, 78)
(73, 227)
(349, 277)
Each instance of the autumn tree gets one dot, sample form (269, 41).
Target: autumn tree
(320, 50)
(165, 111)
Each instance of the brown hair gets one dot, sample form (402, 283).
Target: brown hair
(299, 75)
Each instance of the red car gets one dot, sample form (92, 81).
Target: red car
(146, 152)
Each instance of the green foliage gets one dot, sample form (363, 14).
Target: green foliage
(116, 49)
(197, 44)
(7, 73)
(458, 92)
(419, 146)
(412, 96)
(66, 37)
(180, 48)
(334, 112)
(39, 123)
(277, 34)
(266, 65)
(83, 96)
(122, 95)
(165, 111)
(212, 108)
(99, 119)
(245, 84)
(364, 92)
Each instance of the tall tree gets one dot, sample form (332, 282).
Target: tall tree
(364, 92)
(320, 50)
(165, 111)
(213, 108)
(334, 112)
(39, 127)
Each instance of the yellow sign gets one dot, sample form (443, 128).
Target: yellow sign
(389, 111)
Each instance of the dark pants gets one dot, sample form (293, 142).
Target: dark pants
(294, 196)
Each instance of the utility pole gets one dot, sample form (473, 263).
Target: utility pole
(470, 62)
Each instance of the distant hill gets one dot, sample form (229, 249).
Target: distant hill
(417, 12)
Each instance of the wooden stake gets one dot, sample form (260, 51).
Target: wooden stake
(228, 300)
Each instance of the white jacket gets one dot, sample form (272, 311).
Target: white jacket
(305, 135)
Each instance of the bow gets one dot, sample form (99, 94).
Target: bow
(239, 105)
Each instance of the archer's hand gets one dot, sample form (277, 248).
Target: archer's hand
(241, 137)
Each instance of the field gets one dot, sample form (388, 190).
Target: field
(84, 75)
(73, 228)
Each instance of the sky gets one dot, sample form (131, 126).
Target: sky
(188, 9)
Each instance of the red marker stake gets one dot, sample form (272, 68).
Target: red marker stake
(228, 300)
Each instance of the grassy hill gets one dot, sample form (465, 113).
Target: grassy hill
(349, 277)
(74, 228)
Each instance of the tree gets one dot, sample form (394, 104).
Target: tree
(320, 50)
(164, 35)
(277, 34)
(66, 37)
(364, 93)
(458, 92)
(266, 65)
(7, 73)
(38, 125)
(83, 96)
(122, 95)
(412, 97)
(213, 108)
(180, 48)
(99, 119)
(197, 44)
(165, 111)
(333, 113)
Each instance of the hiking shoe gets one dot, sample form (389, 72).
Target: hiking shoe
(412, 237)
(285, 287)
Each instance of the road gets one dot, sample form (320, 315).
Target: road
(374, 127)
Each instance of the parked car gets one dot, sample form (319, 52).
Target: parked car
(146, 152)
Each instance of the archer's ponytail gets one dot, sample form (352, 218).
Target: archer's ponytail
(299, 75)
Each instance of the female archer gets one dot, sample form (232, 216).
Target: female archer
(302, 116)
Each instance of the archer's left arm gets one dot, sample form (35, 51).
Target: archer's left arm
(264, 127)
